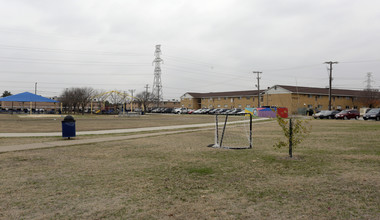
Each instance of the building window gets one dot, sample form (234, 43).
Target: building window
(218, 98)
(320, 106)
(247, 98)
(218, 106)
(239, 98)
(239, 106)
(261, 99)
(225, 106)
(347, 107)
(309, 106)
(248, 106)
(339, 107)
(310, 96)
(225, 98)
(232, 99)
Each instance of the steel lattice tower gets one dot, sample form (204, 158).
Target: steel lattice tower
(157, 85)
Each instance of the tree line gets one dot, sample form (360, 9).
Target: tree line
(76, 100)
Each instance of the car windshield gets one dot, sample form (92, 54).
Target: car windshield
(327, 112)
(373, 111)
(344, 111)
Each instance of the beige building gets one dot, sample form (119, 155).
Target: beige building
(296, 98)
(234, 99)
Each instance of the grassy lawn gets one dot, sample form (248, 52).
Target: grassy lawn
(52, 123)
(335, 174)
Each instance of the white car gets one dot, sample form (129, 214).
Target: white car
(180, 110)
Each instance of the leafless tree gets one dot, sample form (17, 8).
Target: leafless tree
(85, 95)
(144, 99)
(73, 98)
(370, 98)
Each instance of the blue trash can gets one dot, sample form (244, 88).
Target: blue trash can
(68, 127)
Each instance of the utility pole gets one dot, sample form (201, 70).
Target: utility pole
(146, 97)
(330, 80)
(258, 87)
(35, 93)
(132, 90)
(146, 91)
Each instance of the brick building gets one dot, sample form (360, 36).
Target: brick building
(296, 98)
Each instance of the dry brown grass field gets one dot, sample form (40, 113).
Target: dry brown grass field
(52, 123)
(335, 174)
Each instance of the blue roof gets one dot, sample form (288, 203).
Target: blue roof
(26, 97)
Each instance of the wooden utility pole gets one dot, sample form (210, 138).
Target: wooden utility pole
(132, 90)
(145, 101)
(258, 87)
(330, 80)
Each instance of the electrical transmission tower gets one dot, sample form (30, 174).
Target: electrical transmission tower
(369, 81)
(157, 85)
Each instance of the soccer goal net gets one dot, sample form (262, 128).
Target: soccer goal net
(233, 131)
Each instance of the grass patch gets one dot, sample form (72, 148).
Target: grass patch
(201, 171)
(335, 175)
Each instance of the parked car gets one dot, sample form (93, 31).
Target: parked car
(205, 110)
(372, 114)
(198, 111)
(213, 111)
(221, 111)
(328, 114)
(167, 110)
(180, 110)
(232, 111)
(348, 114)
(317, 114)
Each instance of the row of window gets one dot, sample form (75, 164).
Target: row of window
(337, 107)
(225, 98)
(334, 97)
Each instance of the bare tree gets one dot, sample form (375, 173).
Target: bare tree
(65, 99)
(85, 95)
(74, 98)
(144, 99)
(370, 98)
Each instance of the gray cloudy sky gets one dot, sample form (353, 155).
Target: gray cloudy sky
(207, 45)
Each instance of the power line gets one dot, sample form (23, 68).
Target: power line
(54, 50)
(57, 61)
(74, 73)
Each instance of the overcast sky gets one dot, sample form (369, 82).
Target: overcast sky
(207, 45)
